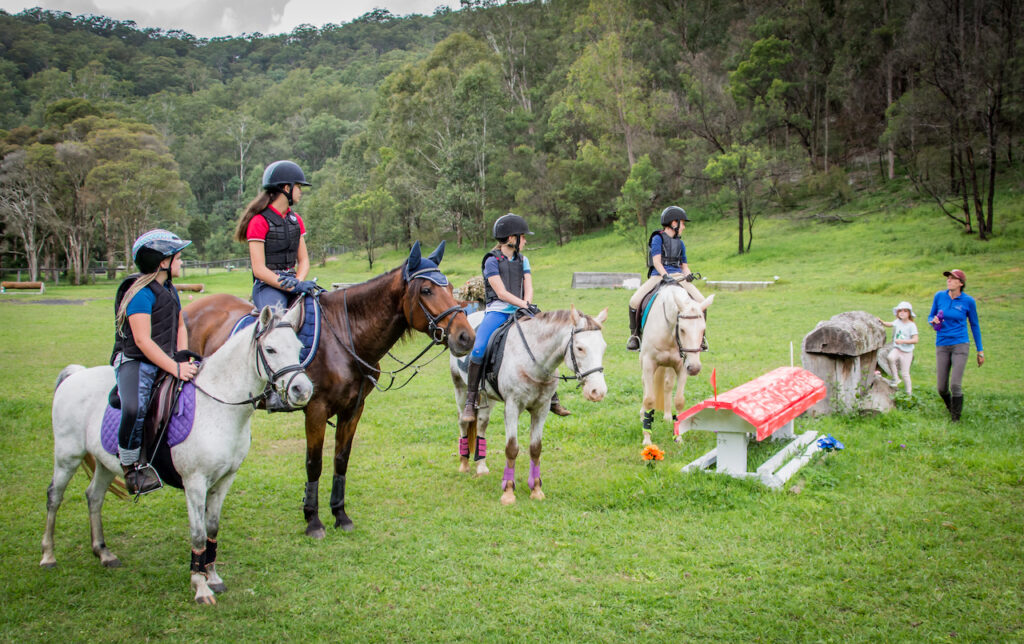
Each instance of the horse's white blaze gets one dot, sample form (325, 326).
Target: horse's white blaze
(207, 460)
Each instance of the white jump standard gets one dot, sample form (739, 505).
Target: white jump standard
(764, 407)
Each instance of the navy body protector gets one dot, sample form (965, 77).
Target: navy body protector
(671, 251)
(281, 247)
(509, 270)
(163, 321)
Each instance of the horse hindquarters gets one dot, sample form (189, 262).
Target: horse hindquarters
(77, 415)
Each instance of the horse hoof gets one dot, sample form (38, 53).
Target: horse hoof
(463, 468)
(316, 533)
(678, 438)
(481, 469)
(206, 600)
(345, 524)
(47, 564)
(537, 495)
(111, 563)
(218, 588)
(508, 498)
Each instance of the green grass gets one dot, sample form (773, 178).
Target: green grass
(914, 532)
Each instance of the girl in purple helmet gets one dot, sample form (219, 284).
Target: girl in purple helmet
(150, 336)
(275, 235)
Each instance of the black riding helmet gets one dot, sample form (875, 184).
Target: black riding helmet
(283, 173)
(152, 247)
(508, 225)
(673, 213)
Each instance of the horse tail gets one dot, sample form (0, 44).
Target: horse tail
(471, 436)
(65, 372)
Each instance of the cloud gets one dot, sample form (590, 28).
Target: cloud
(203, 18)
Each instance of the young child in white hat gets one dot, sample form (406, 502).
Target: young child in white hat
(904, 336)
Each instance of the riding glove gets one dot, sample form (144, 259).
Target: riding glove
(308, 287)
(183, 355)
(287, 282)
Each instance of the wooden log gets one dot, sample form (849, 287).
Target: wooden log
(851, 334)
(603, 280)
(22, 286)
(197, 288)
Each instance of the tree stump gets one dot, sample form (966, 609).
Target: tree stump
(843, 352)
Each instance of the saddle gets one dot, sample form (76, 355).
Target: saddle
(645, 308)
(162, 405)
(494, 354)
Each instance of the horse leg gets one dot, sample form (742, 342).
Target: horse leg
(483, 417)
(648, 369)
(195, 499)
(342, 450)
(94, 495)
(508, 479)
(214, 503)
(536, 435)
(679, 400)
(63, 469)
(465, 429)
(316, 424)
(666, 394)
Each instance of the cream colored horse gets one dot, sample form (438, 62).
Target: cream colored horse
(670, 347)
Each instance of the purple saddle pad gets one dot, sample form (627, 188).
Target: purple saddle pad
(177, 430)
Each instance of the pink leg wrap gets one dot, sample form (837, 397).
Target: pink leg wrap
(464, 447)
(534, 479)
(481, 448)
(509, 475)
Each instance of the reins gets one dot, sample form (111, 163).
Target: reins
(578, 376)
(432, 328)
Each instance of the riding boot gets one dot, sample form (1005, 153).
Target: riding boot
(946, 398)
(141, 478)
(704, 338)
(557, 408)
(469, 411)
(633, 344)
(956, 405)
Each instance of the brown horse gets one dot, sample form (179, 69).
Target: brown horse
(360, 324)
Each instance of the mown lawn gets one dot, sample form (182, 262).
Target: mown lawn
(914, 532)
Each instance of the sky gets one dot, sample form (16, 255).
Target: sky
(211, 18)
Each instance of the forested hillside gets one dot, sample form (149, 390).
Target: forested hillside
(576, 114)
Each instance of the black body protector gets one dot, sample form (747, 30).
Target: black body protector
(671, 252)
(281, 248)
(509, 270)
(164, 321)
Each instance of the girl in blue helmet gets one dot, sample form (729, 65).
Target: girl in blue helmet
(150, 336)
(508, 286)
(275, 235)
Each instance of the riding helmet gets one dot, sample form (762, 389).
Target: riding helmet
(281, 173)
(151, 248)
(508, 225)
(673, 213)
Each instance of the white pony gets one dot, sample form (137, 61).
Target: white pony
(671, 341)
(207, 459)
(526, 380)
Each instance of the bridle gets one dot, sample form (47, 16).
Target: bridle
(262, 367)
(577, 375)
(675, 334)
(438, 336)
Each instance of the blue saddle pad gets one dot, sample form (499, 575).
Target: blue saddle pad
(309, 334)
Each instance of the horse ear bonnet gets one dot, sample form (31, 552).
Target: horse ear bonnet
(418, 266)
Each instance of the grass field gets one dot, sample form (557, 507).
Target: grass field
(915, 532)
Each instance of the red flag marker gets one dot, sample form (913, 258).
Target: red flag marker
(714, 384)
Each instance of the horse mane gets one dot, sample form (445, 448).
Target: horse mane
(364, 299)
(564, 317)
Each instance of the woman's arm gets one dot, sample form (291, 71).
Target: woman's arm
(259, 264)
(302, 264)
(528, 287)
(659, 268)
(503, 294)
(182, 332)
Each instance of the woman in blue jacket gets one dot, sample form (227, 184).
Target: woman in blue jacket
(952, 311)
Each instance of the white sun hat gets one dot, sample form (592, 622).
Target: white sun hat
(904, 305)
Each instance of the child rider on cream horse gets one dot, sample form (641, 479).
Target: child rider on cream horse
(666, 261)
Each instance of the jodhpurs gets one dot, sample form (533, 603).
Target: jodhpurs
(264, 294)
(135, 388)
(648, 286)
(949, 368)
(492, 320)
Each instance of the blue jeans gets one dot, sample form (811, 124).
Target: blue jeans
(135, 388)
(492, 320)
(264, 294)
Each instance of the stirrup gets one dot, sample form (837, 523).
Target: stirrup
(142, 479)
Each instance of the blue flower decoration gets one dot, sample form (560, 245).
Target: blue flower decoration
(829, 443)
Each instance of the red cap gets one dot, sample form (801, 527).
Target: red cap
(957, 273)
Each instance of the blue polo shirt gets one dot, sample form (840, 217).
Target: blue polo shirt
(143, 301)
(957, 314)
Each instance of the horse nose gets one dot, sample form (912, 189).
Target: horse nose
(300, 391)
(693, 369)
(595, 392)
(461, 343)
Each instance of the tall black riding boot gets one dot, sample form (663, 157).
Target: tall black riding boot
(956, 406)
(633, 344)
(946, 398)
(469, 411)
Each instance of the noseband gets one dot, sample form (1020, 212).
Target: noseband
(437, 333)
(261, 360)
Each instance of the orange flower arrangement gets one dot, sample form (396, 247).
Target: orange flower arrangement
(652, 453)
